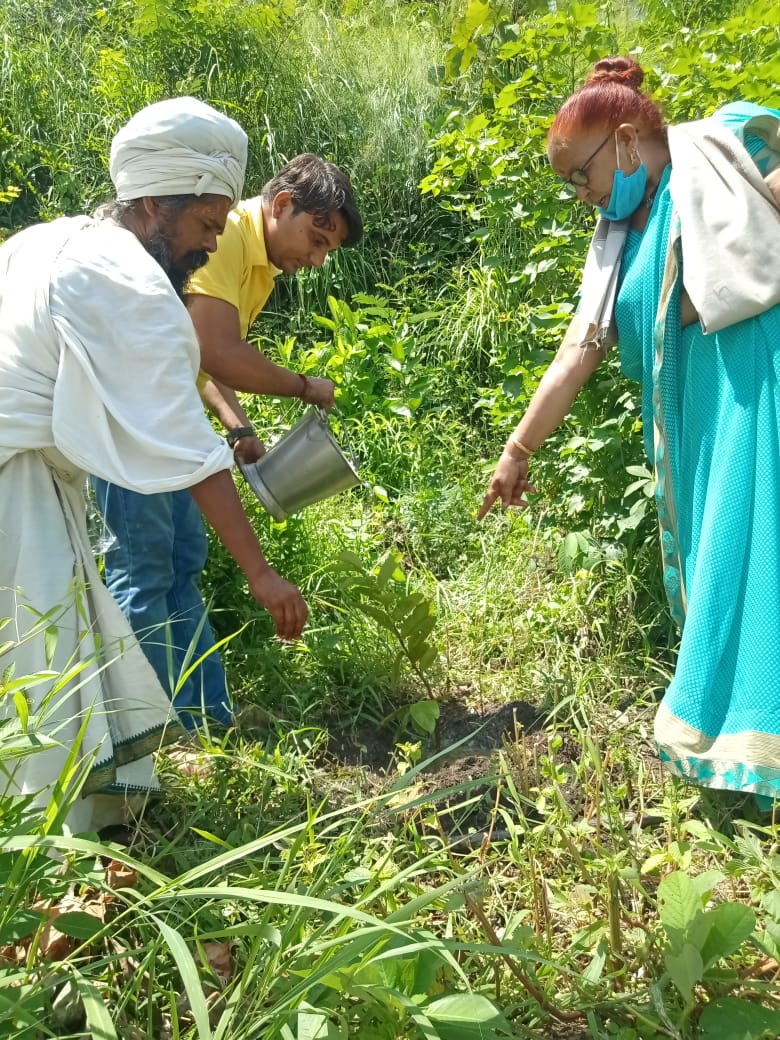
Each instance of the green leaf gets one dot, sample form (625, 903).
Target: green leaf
(416, 619)
(422, 316)
(400, 409)
(426, 969)
(417, 649)
(50, 644)
(99, 1020)
(22, 709)
(21, 924)
(771, 903)
(424, 629)
(595, 969)
(189, 977)
(571, 545)
(325, 323)
(730, 1018)
(425, 715)
(635, 517)
(730, 925)
(679, 905)
(381, 617)
(427, 659)
(390, 569)
(78, 925)
(358, 874)
(476, 19)
(406, 604)
(366, 586)
(466, 1016)
(314, 1025)
(686, 969)
(348, 561)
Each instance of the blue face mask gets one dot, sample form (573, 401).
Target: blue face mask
(627, 191)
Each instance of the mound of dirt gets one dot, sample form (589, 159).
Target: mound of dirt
(462, 779)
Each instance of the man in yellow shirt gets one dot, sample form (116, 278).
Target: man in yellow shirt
(306, 211)
(303, 213)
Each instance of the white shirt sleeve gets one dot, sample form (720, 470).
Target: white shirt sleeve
(126, 406)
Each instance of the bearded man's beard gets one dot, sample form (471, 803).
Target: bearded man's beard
(179, 271)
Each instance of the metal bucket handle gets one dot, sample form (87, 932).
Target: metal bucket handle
(325, 420)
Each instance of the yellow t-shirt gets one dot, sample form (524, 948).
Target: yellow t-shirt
(239, 272)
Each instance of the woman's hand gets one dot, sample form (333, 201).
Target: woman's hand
(283, 602)
(509, 483)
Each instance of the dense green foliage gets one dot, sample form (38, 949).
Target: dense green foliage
(596, 897)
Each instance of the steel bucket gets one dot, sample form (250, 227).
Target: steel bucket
(305, 466)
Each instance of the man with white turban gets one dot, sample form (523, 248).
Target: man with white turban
(306, 211)
(98, 361)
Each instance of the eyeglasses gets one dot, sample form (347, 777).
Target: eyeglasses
(579, 177)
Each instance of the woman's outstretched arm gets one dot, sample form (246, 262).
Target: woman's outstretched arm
(567, 374)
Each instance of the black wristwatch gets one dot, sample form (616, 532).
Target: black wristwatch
(238, 433)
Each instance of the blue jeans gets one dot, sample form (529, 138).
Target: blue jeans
(153, 571)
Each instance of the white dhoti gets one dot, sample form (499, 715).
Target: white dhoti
(93, 698)
(97, 372)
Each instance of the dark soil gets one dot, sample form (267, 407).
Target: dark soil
(462, 775)
(374, 747)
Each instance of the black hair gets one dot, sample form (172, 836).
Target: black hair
(320, 188)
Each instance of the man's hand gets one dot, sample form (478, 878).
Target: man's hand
(283, 602)
(509, 483)
(318, 392)
(248, 449)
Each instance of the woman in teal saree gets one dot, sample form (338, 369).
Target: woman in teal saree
(711, 401)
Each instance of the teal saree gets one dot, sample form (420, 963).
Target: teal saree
(711, 412)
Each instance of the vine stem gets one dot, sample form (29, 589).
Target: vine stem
(533, 989)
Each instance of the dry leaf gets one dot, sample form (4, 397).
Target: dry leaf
(16, 954)
(119, 875)
(53, 944)
(220, 959)
(191, 762)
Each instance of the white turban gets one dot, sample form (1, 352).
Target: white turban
(179, 147)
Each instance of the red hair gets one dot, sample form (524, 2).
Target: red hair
(608, 97)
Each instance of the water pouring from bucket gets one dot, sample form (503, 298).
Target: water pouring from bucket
(305, 466)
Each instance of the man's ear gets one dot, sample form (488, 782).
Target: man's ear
(149, 214)
(151, 205)
(282, 200)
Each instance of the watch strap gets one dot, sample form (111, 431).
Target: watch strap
(238, 433)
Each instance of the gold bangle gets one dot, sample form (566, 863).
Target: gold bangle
(517, 443)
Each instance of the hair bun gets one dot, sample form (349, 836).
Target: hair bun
(617, 70)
